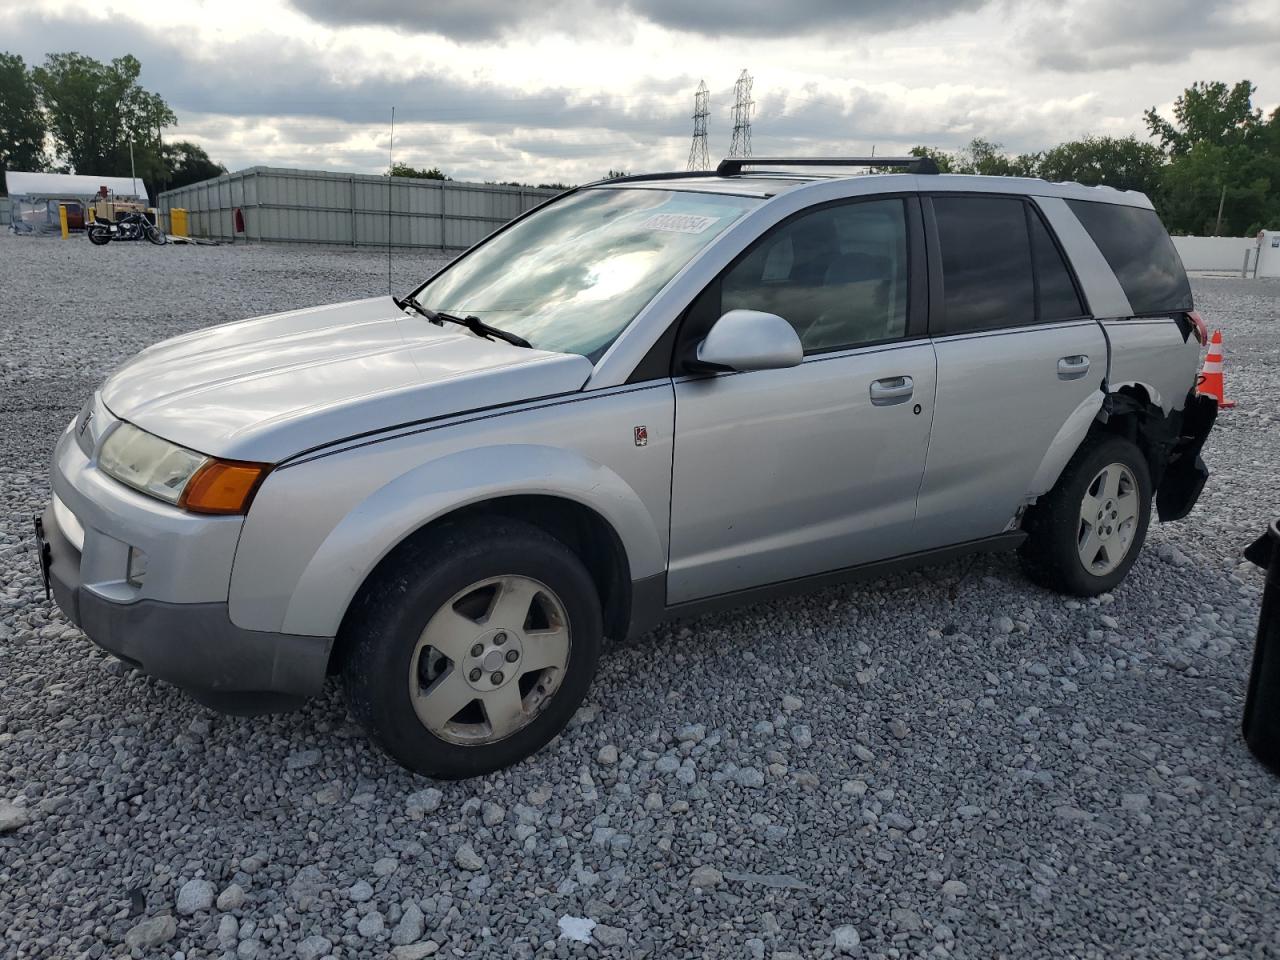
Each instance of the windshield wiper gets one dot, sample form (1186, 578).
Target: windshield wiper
(472, 323)
(412, 304)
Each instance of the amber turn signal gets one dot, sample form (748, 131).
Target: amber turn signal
(223, 487)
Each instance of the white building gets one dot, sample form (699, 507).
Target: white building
(1269, 253)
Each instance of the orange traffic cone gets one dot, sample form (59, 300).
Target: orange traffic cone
(1210, 380)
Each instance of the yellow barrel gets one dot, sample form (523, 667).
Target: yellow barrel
(178, 222)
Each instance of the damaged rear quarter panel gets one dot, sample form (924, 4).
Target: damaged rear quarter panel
(1152, 353)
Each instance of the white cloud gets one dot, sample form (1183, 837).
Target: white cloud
(563, 92)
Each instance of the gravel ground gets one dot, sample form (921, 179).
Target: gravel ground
(947, 763)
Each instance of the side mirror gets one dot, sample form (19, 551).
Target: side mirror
(749, 340)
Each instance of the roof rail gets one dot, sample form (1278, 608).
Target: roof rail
(664, 175)
(732, 166)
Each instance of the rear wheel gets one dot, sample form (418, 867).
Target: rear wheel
(98, 236)
(1085, 534)
(474, 650)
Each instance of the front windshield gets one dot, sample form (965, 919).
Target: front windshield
(570, 277)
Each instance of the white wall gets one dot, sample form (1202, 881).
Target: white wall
(1214, 253)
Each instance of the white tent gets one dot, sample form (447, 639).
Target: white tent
(78, 185)
(34, 197)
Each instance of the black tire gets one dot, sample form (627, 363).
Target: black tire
(98, 236)
(1051, 555)
(153, 234)
(381, 632)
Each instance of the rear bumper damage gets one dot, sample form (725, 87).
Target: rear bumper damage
(1185, 472)
(1171, 445)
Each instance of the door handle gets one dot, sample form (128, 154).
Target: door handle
(891, 390)
(1073, 368)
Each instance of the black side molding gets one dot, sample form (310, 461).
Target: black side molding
(866, 571)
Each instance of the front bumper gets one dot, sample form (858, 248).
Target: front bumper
(194, 646)
(175, 624)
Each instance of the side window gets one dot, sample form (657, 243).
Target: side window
(1058, 297)
(986, 263)
(1135, 245)
(838, 275)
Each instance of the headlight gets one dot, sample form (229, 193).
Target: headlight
(147, 463)
(177, 475)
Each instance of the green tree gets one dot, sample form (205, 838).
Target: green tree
(1209, 175)
(1269, 143)
(186, 162)
(22, 125)
(987, 159)
(981, 157)
(530, 186)
(404, 170)
(945, 161)
(1125, 163)
(1207, 113)
(1222, 155)
(96, 110)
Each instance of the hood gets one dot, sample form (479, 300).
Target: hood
(268, 388)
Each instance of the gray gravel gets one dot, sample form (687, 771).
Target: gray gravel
(947, 763)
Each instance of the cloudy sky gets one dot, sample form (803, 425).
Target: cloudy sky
(568, 89)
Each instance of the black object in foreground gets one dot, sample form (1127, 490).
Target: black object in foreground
(1262, 702)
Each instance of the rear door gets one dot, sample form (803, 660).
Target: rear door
(782, 474)
(1020, 363)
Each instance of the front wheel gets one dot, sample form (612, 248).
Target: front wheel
(1085, 534)
(98, 236)
(153, 234)
(473, 649)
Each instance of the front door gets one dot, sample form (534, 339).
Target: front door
(781, 474)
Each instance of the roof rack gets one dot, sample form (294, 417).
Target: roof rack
(732, 166)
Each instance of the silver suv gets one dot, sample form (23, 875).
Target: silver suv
(647, 398)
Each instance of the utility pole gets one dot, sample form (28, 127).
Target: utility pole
(742, 104)
(391, 163)
(698, 157)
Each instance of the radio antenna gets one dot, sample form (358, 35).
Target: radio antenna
(391, 166)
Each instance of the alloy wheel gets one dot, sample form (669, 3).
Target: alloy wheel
(1108, 519)
(489, 660)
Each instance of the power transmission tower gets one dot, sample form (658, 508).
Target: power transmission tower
(742, 104)
(698, 157)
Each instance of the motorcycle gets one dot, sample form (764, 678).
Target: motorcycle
(130, 226)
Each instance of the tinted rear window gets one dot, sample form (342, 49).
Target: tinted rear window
(986, 263)
(1140, 253)
(1058, 297)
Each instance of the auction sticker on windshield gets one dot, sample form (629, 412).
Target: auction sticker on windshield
(678, 222)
